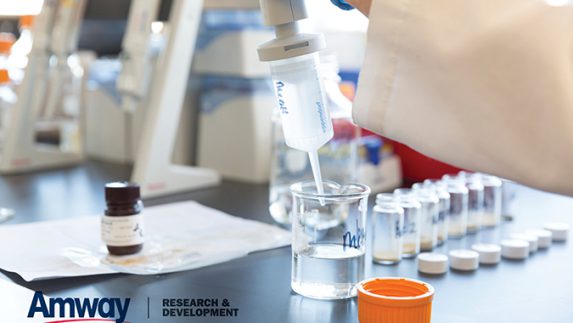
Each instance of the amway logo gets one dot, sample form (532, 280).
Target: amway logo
(111, 309)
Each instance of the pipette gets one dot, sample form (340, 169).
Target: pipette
(293, 57)
(313, 156)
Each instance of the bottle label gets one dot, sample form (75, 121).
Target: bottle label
(122, 231)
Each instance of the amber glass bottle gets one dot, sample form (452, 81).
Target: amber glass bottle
(122, 225)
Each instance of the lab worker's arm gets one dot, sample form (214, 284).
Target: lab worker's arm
(485, 85)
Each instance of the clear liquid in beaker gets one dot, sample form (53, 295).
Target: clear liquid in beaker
(323, 271)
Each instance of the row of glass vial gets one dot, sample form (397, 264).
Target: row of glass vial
(484, 200)
(419, 219)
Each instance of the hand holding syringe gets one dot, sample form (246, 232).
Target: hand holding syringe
(293, 57)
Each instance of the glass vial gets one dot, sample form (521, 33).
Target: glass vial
(430, 214)
(475, 202)
(492, 193)
(458, 215)
(441, 190)
(412, 223)
(509, 202)
(388, 222)
(443, 217)
(122, 225)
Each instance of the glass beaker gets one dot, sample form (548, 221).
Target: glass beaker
(328, 239)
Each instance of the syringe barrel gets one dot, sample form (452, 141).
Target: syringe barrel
(301, 99)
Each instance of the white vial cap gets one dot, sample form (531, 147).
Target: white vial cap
(514, 249)
(544, 237)
(489, 254)
(532, 239)
(462, 259)
(432, 263)
(560, 231)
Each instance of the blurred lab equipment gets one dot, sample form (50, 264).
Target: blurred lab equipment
(338, 158)
(117, 88)
(20, 8)
(387, 224)
(379, 167)
(394, 299)
(21, 50)
(64, 81)
(7, 100)
(412, 229)
(236, 94)
(328, 239)
(7, 94)
(46, 88)
(153, 167)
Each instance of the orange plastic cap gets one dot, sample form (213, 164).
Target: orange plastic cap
(6, 41)
(26, 21)
(396, 300)
(4, 76)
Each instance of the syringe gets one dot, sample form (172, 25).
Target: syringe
(293, 57)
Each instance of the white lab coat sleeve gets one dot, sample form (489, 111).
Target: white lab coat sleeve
(485, 85)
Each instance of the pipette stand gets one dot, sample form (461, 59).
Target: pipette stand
(153, 168)
(20, 152)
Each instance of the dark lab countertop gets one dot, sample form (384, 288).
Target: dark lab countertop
(534, 290)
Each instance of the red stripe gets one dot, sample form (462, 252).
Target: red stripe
(85, 320)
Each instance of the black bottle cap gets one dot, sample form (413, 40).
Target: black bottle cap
(121, 192)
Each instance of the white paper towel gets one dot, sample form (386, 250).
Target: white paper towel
(179, 236)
